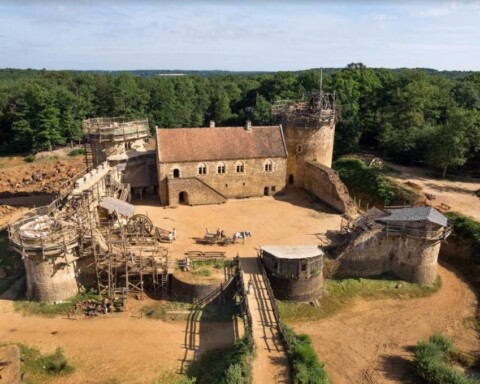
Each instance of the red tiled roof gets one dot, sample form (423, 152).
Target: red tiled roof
(219, 143)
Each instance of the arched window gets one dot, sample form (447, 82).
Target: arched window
(221, 168)
(176, 173)
(202, 169)
(240, 167)
(268, 166)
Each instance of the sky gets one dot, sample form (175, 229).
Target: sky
(241, 35)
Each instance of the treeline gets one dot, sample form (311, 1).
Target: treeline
(412, 116)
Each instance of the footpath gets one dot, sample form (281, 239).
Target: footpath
(271, 363)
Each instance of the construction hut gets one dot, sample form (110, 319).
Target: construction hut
(295, 272)
(421, 222)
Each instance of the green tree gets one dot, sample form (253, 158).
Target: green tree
(452, 141)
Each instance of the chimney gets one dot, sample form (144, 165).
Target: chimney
(248, 126)
(212, 123)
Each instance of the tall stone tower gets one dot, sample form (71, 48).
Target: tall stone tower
(309, 128)
(114, 136)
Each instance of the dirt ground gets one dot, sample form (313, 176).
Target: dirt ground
(130, 349)
(286, 220)
(371, 341)
(458, 194)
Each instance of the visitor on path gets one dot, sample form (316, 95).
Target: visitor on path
(250, 286)
(174, 234)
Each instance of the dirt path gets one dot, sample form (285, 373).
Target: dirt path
(370, 342)
(458, 194)
(270, 364)
(116, 348)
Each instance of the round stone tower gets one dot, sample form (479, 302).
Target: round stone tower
(113, 136)
(48, 247)
(309, 128)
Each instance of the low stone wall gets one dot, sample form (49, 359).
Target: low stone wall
(297, 289)
(50, 279)
(195, 192)
(372, 252)
(188, 292)
(324, 183)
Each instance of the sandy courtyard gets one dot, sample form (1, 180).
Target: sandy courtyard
(286, 220)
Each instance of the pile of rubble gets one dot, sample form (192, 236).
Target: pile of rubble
(44, 177)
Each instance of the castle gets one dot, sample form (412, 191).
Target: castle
(90, 236)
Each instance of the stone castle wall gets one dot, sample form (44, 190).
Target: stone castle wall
(195, 191)
(188, 292)
(301, 289)
(231, 184)
(50, 279)
(307, 144)
(372, 253)
(324, 183)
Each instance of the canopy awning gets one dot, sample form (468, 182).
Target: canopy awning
(119, 206)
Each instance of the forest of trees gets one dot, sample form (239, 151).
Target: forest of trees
(410, 116)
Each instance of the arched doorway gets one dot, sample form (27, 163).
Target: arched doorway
(290, 179)
(183, 197)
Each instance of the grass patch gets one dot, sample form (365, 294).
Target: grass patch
(340, 293)
(202, 272)
(225, 366)
(39, 368)
(371, 184)
(51, 310)
(435, 360)
(171, 377)
(177, 310)
(305, 366)
(76, 152)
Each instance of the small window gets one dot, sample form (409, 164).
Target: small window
(240, 167)
(273, 188)
(226, 185)
(202, 169)
(221, 168)
(176, 173)
(303, 267)
(299, 148)
(268, 166)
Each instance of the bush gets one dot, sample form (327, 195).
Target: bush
(30, 158)
(231, 366)
(431, 362)
(372, 183)
(305, 366)
(76, 152)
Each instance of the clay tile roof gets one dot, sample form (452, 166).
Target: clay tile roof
(416, 214)
(219, 143)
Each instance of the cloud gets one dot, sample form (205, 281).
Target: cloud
(442, 10)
